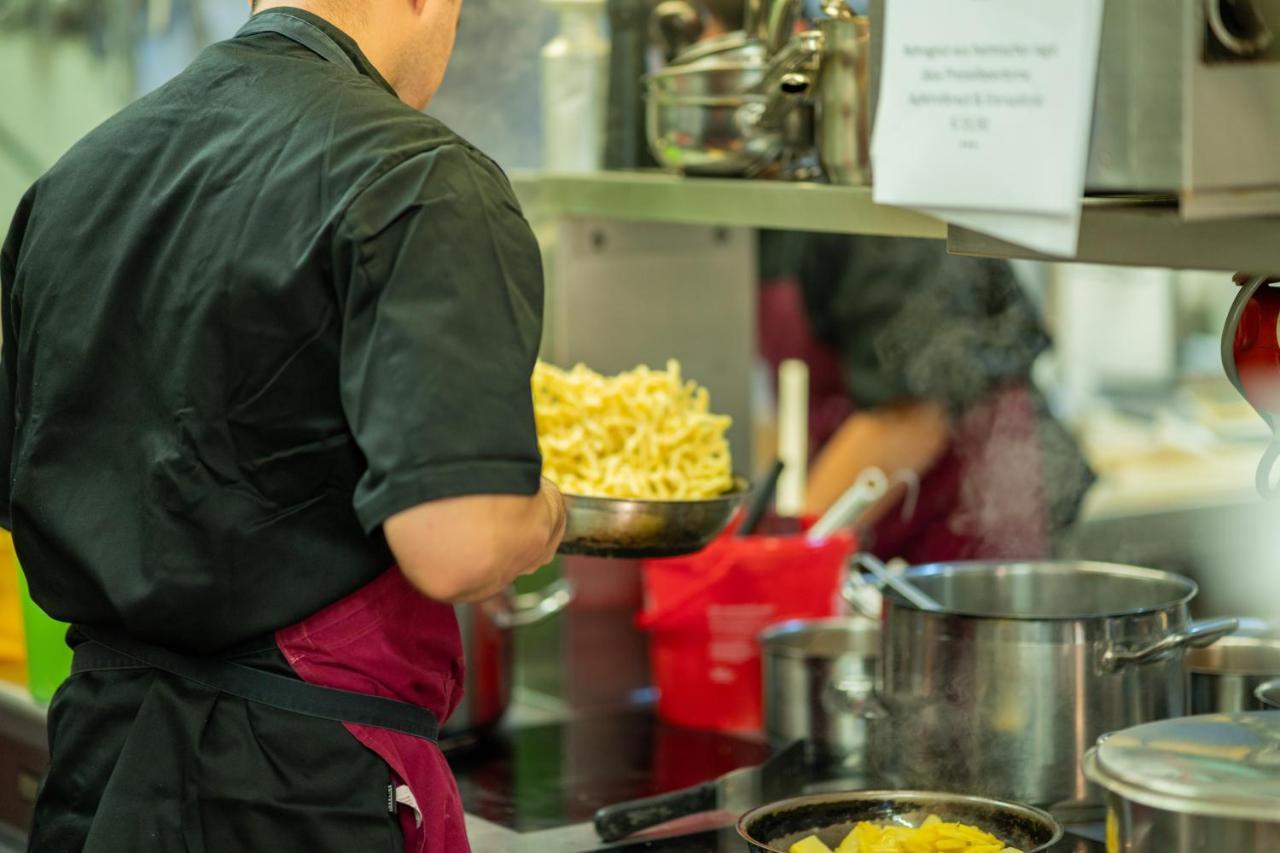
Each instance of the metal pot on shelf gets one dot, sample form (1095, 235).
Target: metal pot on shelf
(1193, 784)
(487, 642)
(1001, 691)
(721, 107)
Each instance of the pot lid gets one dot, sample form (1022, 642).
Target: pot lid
(1220, 765)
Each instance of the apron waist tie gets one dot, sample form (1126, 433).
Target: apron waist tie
(107, 650)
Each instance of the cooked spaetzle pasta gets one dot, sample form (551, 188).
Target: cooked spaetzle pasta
(644, 434)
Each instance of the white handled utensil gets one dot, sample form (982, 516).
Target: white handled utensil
(871, 486)
(793, 437)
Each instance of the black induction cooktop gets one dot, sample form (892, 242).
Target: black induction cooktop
(550, 776)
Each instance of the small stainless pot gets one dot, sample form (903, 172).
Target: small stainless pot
(724, 113)
(819, 680)
(1226, 675)
(1001, 692)
(1204, 784)
(486, 630)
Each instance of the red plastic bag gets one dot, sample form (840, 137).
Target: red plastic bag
(704, 613)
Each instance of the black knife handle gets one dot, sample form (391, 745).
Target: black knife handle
(619, 821)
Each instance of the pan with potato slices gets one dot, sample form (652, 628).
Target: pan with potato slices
(897, 822)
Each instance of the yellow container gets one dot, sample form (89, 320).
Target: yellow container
(13, 652)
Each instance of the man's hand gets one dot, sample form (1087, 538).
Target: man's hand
(558, 519)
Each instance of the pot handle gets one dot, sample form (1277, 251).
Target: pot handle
(534, 607)
(851, 695)
(858, 593)
(1268, 693)
(1196, 635)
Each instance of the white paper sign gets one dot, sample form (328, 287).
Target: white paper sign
(984, 112)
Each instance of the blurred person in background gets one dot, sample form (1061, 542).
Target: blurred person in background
(265, 411)
(920, 364)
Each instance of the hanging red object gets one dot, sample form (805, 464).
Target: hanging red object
(1251, 358)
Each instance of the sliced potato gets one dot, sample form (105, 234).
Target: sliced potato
(812, 844)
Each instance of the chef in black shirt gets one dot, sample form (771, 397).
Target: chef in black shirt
(268, 332)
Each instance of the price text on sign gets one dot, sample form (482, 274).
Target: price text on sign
(983, 79)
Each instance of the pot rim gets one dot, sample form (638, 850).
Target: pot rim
(701, 69)
(663, 99)
(770, 636)
(888, 794)
(1244, 645)
(1083, 566)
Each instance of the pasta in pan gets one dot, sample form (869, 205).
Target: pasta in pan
(644, 434)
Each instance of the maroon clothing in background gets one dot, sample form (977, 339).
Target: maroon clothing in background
(984, 499)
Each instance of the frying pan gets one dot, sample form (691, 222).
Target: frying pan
(774, 828)
(620, 527)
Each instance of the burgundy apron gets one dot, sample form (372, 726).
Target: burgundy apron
(385, 661)
(983, 499)
(387, 639)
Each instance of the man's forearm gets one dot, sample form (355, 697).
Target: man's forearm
(467, 549)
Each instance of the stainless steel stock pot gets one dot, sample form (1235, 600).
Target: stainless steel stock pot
(1002, 692)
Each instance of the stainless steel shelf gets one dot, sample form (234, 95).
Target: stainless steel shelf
(1120, 231)
(662, 197)
(1150, 234)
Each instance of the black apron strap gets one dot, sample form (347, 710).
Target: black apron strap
(108, 650)
(299, 29)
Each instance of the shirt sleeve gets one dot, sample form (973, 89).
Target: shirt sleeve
(912, 322)
(442, 324)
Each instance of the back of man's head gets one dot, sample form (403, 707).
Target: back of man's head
(335, 10)
(408, 41)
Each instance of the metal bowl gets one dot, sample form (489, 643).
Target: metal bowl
(774, 828)
(702, 118)
(619, 527)
(710, 136)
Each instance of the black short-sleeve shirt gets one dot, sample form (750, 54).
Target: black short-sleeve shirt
(246, 320)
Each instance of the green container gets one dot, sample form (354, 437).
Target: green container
(48, 656)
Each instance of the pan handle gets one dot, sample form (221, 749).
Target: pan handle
(616, 822)
(1205, 632)
(533, 607)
